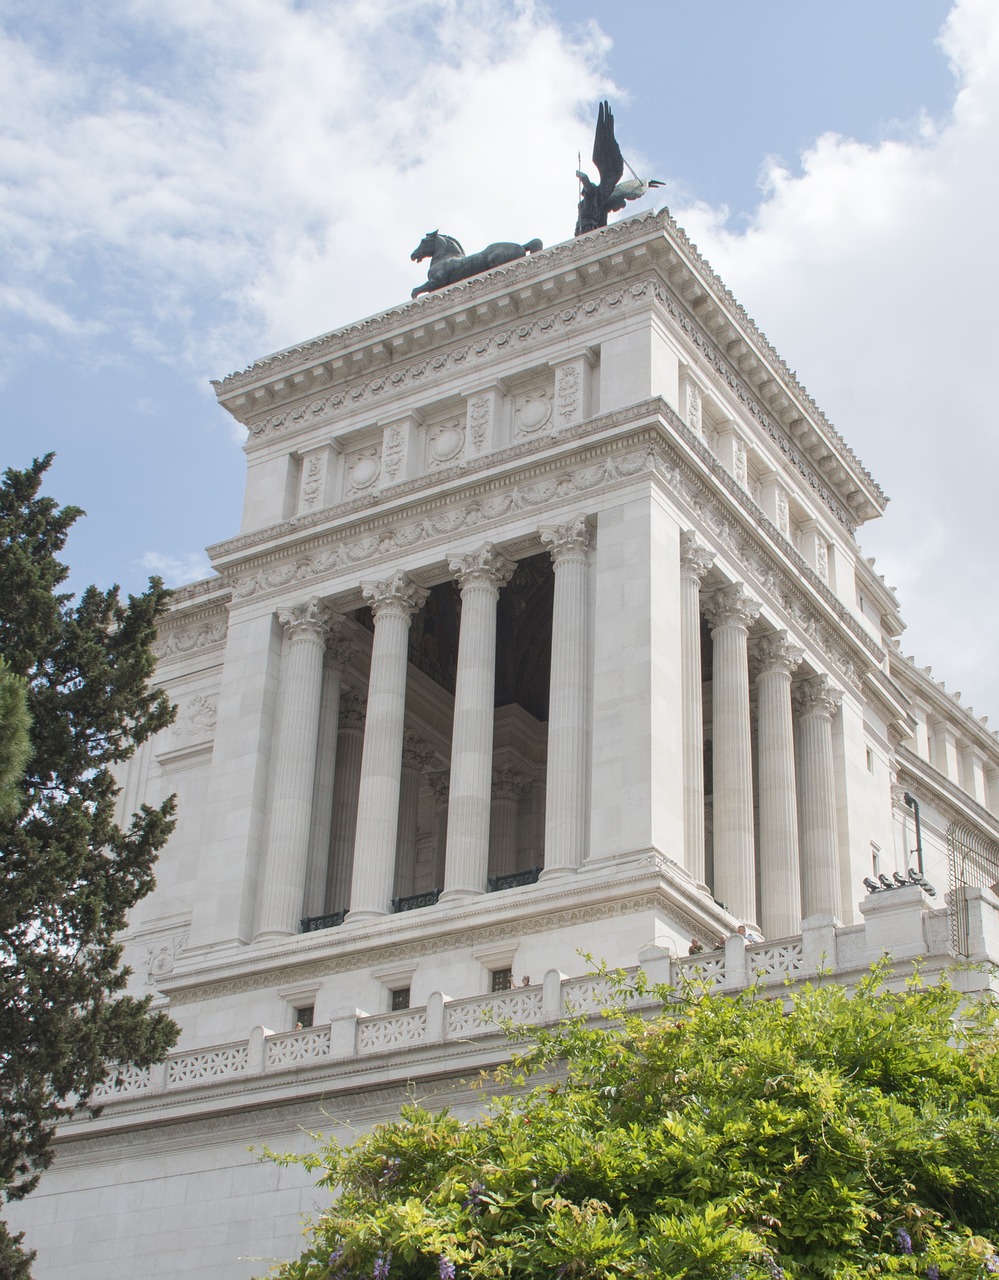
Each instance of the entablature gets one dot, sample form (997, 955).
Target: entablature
(452, 333)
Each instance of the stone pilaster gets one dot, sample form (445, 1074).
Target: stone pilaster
(509, 785)
(440, 785)
(780, 885)
(393, 604)
(337, 656)
(417, 755)
(695, 561)
(816, 701)
(343, 824)
(283, 887)
(566, 798)
(730, 613)
(480, 575)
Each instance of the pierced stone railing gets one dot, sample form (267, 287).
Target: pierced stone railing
(901, 925)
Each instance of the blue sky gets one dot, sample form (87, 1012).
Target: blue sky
(188, 187)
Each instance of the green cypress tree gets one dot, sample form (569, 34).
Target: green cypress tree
(69, 872)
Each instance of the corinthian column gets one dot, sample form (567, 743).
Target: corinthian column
(816, 701)
(780, 887)
(565, 787)
(343, 823)
(695, 561)
(393, 604)
(337, 656)
(283, 887)
(480, 575)
(730, 611)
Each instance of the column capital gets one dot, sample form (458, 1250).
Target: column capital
(485, 567)
(417, 753)
(569, 541)
(695, 559)
(440, 785)
(731, 606)
(352, 710)
(775, 652)
(817, 696)
(309, 621)
(396, 595)
(338, 652)
(508, 783)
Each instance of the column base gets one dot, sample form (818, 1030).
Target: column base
(272, 935)
(557, 873)
(363, 917)
(460, 895)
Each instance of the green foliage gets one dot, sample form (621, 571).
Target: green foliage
(825, 1133)
(70, 873)
(15, 743)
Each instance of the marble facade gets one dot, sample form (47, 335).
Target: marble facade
(546, 634)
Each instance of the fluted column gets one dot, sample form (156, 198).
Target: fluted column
(780, 885)
(816, 701)
(343, 823)
(480, 575)
(566, 780)
(393, 604)
(730, 612)
(283, 886)
(695, 561)
(337, 656)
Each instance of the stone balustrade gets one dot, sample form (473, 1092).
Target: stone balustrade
(901, 925)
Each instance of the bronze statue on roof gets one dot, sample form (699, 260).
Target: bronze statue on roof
(613, 190)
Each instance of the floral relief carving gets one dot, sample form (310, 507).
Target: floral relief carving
(480, 413)
(393, 452)
(313, 480)
(694, 417)
(569, 393)
(176, 643)
(197, 716)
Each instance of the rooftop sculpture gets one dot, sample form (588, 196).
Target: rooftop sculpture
(449, 262)
(613, 190)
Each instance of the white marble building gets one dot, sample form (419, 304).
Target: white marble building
(546, 634)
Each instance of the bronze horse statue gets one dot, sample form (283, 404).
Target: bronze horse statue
(449, 261)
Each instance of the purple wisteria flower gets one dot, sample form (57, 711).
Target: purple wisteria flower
(777, 1272)
(445, 1268)
(933, 1272)
(903, 1240)
(391, 1168)
(382, 1264)
(473, 1200)
(335, 1257)
(992, 1262)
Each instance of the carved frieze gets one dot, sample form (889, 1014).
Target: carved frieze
(179, 640)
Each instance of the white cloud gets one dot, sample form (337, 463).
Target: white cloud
(873, 273)
(177, 571)
(281, 156)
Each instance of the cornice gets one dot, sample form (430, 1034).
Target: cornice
(780, 581)
(948, 706)
(560, 905)
(193, 622)
(851, 496)
(658, 443)
(946, 796)
(375, 340)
